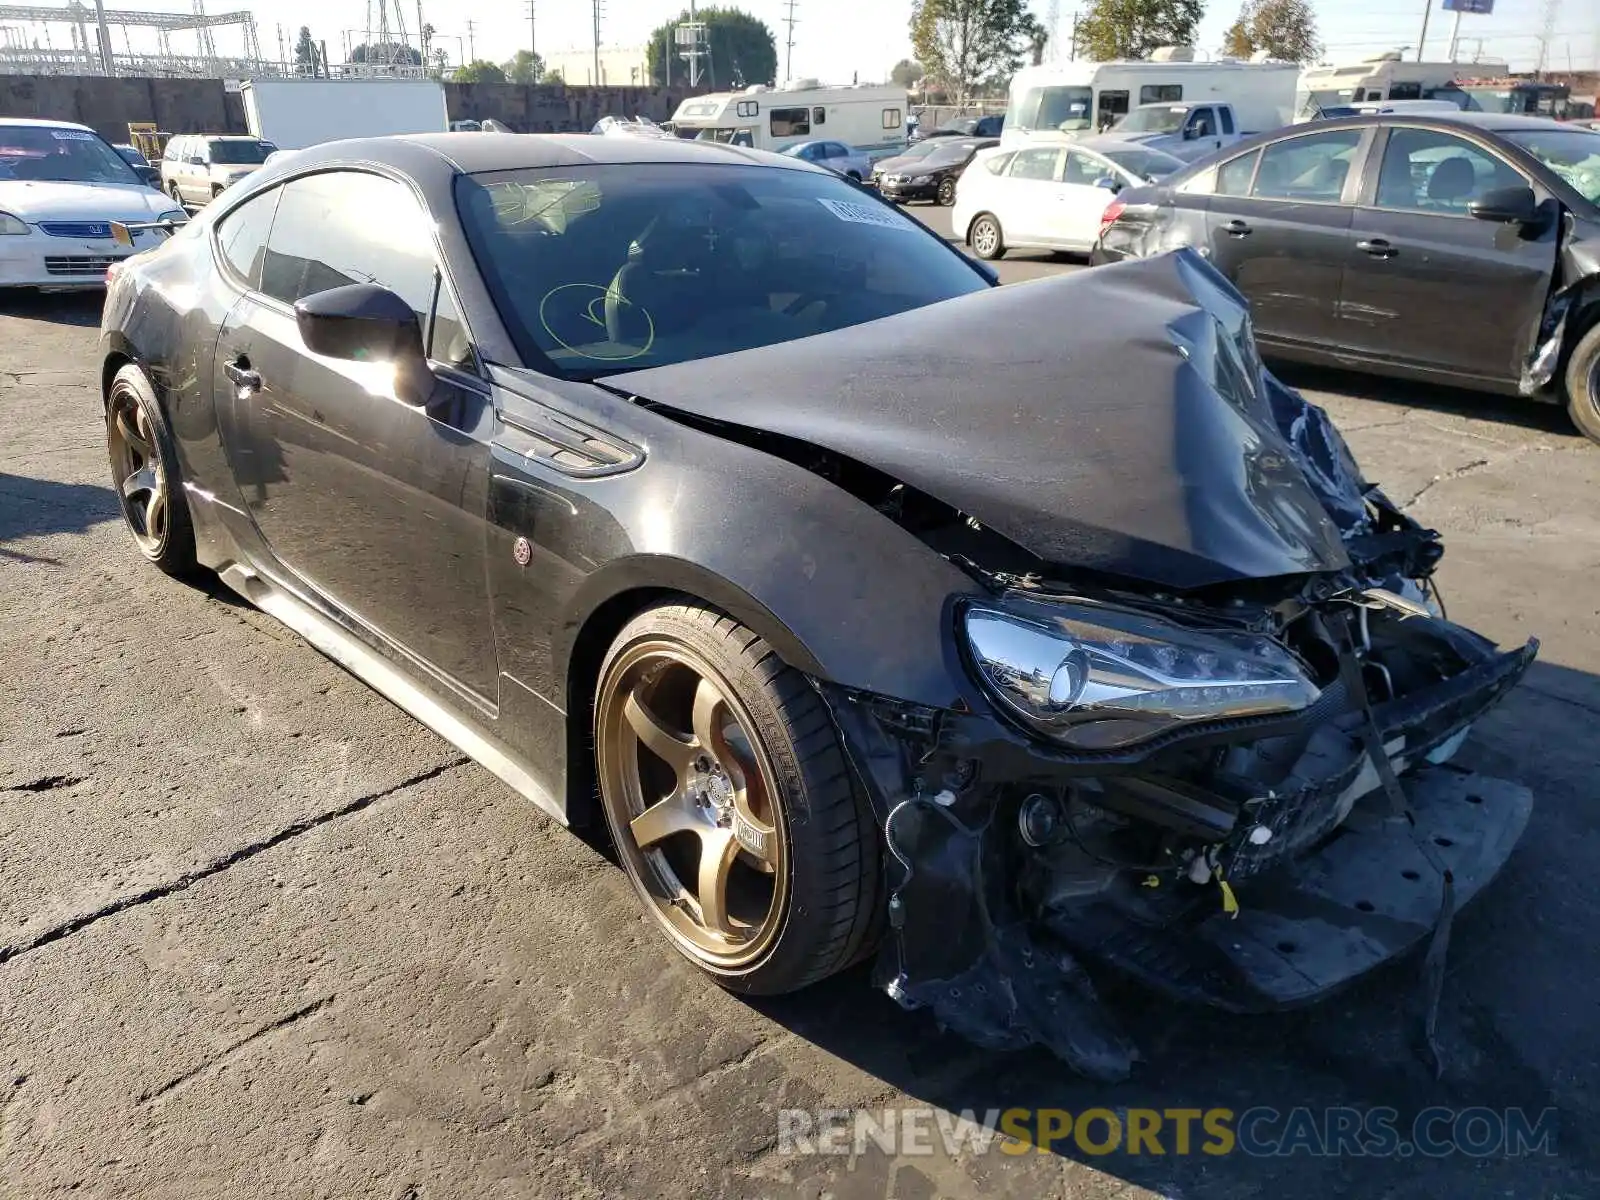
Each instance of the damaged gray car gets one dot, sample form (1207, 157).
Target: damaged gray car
(1460, 249)
(668, 481)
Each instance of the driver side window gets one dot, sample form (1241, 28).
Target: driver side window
(1038, 163)
(343, 227)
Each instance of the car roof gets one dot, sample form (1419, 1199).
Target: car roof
(473, 153)
(229, 137)
(1487, 122)
(40, 123)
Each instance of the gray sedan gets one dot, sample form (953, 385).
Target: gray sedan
(836, 156)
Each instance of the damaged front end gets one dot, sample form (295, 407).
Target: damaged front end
(1240, 796)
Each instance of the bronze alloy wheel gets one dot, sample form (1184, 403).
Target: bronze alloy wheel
(690, 799)
(138, 471)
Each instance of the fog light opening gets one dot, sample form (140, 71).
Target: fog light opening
(1041, 820)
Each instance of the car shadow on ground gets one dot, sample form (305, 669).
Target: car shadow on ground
(81, 308)
(1358, 1050)
(31, 508)
(1538, 415)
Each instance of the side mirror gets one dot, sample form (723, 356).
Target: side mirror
(1506, 206)
(1110, 182)
(1190, 132)
(363, 322)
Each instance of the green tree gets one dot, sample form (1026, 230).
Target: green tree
(478, 71)
(742, 50)
(441, 63)
(1285, 29)
(307, 58)
(1133, 28)
(905, 72)
(524, 67)
(386, 52)
(968, 43)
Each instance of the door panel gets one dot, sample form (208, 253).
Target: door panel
(1284, 243)
(1025, 194)
(369, 500)
(1428, 285)
(1075, 221)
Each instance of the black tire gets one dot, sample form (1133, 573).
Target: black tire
(170, 545)
(1581, 383)
(984, 246)
(947, 192)
(826, 915)
(174, 191)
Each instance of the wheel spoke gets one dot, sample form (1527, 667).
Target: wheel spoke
(131, 435)
(155, 513)
(751, 814)
(673, 815)
(706, 720)
(718, 851)
(672, 748)
(142, 480)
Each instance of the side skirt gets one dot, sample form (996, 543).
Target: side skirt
(378, 673)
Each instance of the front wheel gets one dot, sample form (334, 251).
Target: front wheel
(987, 241)
(1582, 384)
(947, 192)
(730, 804)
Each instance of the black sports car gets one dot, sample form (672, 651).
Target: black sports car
(669, 481)
(932, 176)
(1459, 248)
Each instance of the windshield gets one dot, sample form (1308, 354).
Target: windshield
(1571, 153)
(1147, 164)
(240, 153)
(950, 155)
(132, 156)
(60, 156)
(605, 268)
(728, 135)
(1311, 103)
(1160, 118)
(919, 149)
(1067, 109)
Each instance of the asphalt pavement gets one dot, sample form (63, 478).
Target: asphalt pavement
(263, 935)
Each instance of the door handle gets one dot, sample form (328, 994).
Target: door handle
(1237, 229)
(1378, 248)
(242, 376)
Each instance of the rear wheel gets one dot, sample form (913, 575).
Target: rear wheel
(987, 240)
(1582, 384)
(947, 192)
(730, 804)
(144, 470)
(174, 192)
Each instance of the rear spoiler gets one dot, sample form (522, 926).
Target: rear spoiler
(123, 233)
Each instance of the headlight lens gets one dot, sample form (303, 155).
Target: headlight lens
(1100, 678)
(13, 226)
(923, 179)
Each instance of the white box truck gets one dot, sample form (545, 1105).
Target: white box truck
(295, 113)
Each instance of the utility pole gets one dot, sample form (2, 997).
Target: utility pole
(1455, 35)
(472, 45)
(1422, 42)
(1074, 55)
(533, 33)
(107, 63)
(596, 43)
(788, 52)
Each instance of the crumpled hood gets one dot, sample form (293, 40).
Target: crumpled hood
(1113, 420)
(37, 200)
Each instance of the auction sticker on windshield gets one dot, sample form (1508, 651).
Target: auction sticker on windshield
(863, 214)
(71, 135)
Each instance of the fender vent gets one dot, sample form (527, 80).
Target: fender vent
(569, 446)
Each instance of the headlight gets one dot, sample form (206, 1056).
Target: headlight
(1099, 678)
(10, 225)
(921, 179)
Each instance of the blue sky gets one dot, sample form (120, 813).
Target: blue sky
(835, 39)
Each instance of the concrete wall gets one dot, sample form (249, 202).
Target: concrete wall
(203, 106)
(107, 105)
(557, 108)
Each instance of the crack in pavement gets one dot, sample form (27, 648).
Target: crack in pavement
(271, 1027)
(243, 854)
(1456, 473)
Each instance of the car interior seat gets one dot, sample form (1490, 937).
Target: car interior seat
(1453, 181)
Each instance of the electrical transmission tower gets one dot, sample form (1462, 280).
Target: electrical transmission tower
(1552, 13)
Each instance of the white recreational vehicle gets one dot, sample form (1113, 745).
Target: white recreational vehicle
(1383, 77)
(1086, 97)
(870, 117)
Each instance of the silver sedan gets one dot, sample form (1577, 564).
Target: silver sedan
(836, 156)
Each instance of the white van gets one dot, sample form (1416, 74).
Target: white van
(1382, 77)
(1076, 98)
(869, 117)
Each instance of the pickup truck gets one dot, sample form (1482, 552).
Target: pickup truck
(1187, 131)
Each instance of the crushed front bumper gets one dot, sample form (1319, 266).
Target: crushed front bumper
(1342, 884)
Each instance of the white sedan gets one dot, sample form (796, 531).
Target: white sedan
(61, 187)
(1049, 197)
